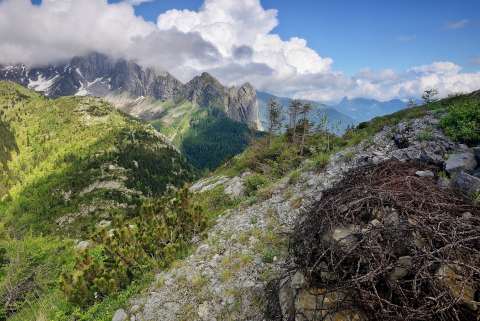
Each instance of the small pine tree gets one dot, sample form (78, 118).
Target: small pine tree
(305, 122)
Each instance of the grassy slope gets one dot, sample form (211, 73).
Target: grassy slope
(51, 152)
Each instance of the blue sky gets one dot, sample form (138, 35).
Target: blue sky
(371, 33)
(319, 50)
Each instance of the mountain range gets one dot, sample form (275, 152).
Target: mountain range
(99, 75)
(207, 121)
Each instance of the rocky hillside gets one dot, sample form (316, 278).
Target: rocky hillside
(245, 269)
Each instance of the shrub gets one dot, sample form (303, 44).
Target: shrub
(425, 135)
(320, 161)
(462, 122)
(294, 177)
(160, 234)
(253, 183)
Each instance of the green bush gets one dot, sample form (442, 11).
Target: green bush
(253, 183)
(462, 122)
(155, 238)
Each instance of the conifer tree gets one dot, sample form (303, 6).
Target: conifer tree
(294, 110)
(274, 118)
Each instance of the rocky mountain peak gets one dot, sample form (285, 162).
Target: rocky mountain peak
(96, 74)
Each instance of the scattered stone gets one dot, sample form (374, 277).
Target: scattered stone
(425, 174)
(298, 280)
(104, 224)
(461, 162)
(82, 245)
(467, 216)
(120, 315)
(345, 235)
(202, 249)
(392, 218)
(401, 269)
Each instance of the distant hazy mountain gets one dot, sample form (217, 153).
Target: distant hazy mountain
(362, 109)
(337, 121)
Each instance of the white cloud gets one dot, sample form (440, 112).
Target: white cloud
(234, 40)
(458, 24)
(137, 2)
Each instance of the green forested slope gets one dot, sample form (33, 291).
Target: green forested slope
(66, 165)
(206, 136)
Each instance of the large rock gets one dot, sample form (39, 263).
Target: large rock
(461, 162)
(467, 183)
(235, 187)
(120, 315)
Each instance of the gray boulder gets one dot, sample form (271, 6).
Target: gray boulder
(461, 162)
(120, 315)
(467, 183)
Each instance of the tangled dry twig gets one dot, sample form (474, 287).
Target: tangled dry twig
(399, 245)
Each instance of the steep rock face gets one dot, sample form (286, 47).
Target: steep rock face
(243, 106)
(238, 103)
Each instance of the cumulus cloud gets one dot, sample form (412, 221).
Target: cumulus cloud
(233, 40)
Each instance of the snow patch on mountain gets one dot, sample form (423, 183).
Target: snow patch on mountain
(41, 84)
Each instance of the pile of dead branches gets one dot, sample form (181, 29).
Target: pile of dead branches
(401, 247)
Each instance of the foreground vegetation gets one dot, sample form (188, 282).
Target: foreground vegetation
(66, 165)
(56, 152)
